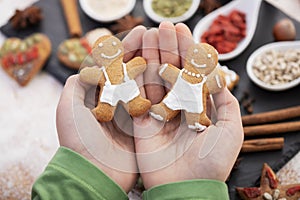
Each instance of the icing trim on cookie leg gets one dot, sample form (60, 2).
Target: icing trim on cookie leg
(200, 127)
(163, 68)
(156, 116)
(197, 127)
(112, 56)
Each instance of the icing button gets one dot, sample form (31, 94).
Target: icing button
(189, 73)
(198, 75)
(193, 74)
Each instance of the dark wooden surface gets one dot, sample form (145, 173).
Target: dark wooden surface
(249, 168)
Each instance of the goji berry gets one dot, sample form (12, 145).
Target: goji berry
(226, 32)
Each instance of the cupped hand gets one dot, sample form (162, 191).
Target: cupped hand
(170, 152)
(108, 145)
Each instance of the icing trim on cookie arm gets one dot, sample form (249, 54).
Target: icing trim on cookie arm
(162, 68)
(156, 116)
(218, 81)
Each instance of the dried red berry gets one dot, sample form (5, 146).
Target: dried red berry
(291, 191)
(226, 32)
(272, 181)
(252, 192)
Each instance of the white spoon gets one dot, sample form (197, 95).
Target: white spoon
(276, 46)
(249, 7)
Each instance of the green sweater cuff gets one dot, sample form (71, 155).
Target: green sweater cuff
(71, 176)
(192, 189)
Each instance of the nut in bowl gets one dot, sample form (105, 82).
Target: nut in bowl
(171, 10)
(107, 11)
(275, 66)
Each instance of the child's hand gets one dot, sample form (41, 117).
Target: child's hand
(110, 145)
(171, 152)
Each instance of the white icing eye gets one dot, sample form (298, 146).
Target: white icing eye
(114, 43)
(100, 44)
(196, 51)
(209, 55)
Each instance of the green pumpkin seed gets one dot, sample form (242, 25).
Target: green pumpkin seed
(29, 41)
(6, 47)
(89, 60)
(171, 8)
(37, 38)
(63, 49)
(69, 45)
(81, 50)
(72, 57)
(23, 47)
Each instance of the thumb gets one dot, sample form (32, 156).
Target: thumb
(227, 107)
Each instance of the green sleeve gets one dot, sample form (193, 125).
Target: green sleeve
(203, 189)
(70, 176)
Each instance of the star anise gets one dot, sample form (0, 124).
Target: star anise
(270, 188)
(209, 5)
(126, 23)
(24, 18)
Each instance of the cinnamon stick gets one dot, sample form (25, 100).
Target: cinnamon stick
(269, 129)
(271, 116)
(72, 17)
(266, 144)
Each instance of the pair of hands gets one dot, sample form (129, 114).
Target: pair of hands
(161, 153)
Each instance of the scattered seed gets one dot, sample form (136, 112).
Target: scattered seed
(276, 194)
(267, 196)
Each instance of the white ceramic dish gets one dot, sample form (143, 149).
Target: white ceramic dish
(157, 18)
(98, 16)
(277, 46)
(249, 7)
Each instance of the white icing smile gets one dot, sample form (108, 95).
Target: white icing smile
(112, 56)
(197, 65)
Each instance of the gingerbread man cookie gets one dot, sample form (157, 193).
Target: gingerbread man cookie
(191, 87)
(231, 77)
(116, 79)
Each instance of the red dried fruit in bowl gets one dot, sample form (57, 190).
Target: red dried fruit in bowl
(226, 32)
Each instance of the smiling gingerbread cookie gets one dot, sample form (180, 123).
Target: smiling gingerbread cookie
(116, 79)
(191, 87)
